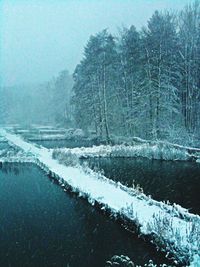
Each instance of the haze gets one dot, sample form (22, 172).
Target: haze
(41, 38)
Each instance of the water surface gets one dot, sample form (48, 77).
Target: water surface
(178, 182)
(41, 225)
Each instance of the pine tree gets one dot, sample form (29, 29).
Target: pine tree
(130, 59)
(189, 38)
(160, 46)
(94, 83)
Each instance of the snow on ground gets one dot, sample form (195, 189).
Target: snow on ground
(14, 154)
(171, 228)
(2, 139)
(158, 150)
(48, 133)
(10, 155)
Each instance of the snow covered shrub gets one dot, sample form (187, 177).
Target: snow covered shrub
(74, 133)
(78, 133)
(179, 135)
(125, 261)
(154, 150)
(193, 238)
(121, 261)
(151, 264)
(196, 261)
(167, 237)
(67, 158)
(137, 187)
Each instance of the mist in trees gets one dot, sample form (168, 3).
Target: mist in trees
(143, 83)
(47, 103)
(139, 83)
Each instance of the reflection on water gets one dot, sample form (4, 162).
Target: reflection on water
(11, 168)
(178, 182)
(41, 225)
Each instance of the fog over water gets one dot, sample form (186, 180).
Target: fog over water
(41, 38)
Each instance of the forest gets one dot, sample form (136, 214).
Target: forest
(142, 83)
(45, 103)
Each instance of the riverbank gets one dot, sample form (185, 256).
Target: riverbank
(153, 150)
(172, 228)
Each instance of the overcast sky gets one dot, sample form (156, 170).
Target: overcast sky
(39, 38)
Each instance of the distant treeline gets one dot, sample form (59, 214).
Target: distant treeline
(47, 103)
(142, 83)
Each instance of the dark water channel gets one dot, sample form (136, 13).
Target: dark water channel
(178, 182)
(41, 225)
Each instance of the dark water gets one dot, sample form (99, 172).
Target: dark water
(64, 143)
(178, 182)
(41, 225)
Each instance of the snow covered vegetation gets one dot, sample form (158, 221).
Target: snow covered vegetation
(124, 261)
(2, 139)
(170, 227)
(15, 155)
(153, 150)
(50, 133)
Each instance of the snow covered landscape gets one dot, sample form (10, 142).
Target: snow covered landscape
(171, 228)
(100, 133)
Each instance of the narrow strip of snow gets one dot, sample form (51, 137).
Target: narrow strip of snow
(177, 235)
(2, 139)
(156, 151)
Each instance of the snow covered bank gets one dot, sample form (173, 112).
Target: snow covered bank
(2, 139)
(49, 133)
(15, 155)
(172, 228)
(161, 151)
(125, 261)
(18, 158)
(46, 133)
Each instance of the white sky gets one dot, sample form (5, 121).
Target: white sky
(39, 38)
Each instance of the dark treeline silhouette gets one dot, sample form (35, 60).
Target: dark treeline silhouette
(142, 83)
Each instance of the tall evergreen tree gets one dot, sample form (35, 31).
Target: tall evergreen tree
(130, 59)
(160, 47)
(94, 83)
(189, 38)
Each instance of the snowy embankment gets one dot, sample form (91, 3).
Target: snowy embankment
(49, 133)
(171, 228)
(2, 139)
(9, 156)
(159, 150)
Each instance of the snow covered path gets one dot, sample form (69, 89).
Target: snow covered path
(175, 233)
